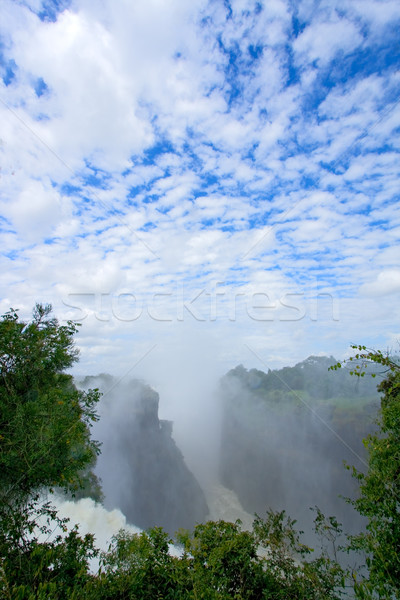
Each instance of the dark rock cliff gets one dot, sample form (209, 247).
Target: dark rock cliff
(143, 471)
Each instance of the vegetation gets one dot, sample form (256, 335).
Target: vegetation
(310, 379)
(379, 498)
(44, 420)
(218, 561)
(45, 442)
(284, 446)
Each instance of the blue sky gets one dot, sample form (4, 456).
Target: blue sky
(203, 184)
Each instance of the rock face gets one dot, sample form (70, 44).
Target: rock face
(142, 470)
(284, 441)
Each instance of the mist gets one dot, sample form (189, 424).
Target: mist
(92, 517)
(187, 379)
(194, 446)
(288, 450)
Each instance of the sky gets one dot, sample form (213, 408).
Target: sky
(202, 184)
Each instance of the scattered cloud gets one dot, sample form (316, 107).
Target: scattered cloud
(224, 168)
(385, 284)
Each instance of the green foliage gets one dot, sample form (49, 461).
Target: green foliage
(379, 499)
(44, 443)
(218, 561)
(288, 573)
(31, 569)
(140, 566)
(44, 419)
(368, 358)
(310, 379)
(222, 561)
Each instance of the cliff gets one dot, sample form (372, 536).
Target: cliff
(143, 472)
(285, 435)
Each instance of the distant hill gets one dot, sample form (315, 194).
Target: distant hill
(312, 376)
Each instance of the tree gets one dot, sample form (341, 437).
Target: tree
(44, 420)
(140, 566)
(220, 561)
(35, 565)
(379, 498)
(44, 443)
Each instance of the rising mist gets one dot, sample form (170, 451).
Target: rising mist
(234, 447)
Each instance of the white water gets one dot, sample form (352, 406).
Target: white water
(224, 504)
(92, 517)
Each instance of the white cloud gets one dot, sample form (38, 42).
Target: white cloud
(234, 157)
(377, 14)
(321, 41)
(36, 211)
(386, 283)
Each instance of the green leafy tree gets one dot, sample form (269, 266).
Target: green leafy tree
(222, 561)
(379, 497)
(269, 562)
(35, 564)
(288, 570)
(44, 420)
(44, 443)
(140, 566)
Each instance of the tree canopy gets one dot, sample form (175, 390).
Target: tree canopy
(44, 420)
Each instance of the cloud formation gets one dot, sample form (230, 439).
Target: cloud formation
(229, 169)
